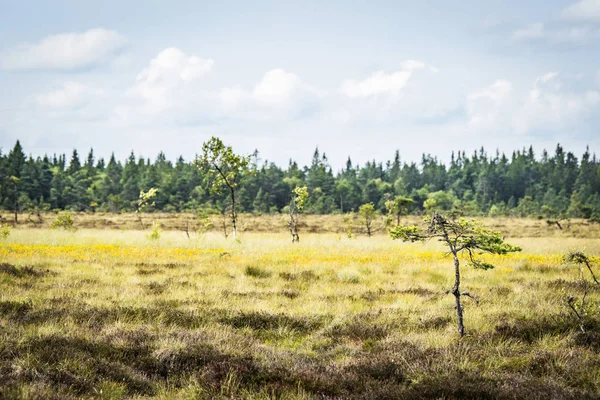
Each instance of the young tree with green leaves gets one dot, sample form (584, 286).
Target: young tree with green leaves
(145, 200)
(226, 170)
(398, 206)
(367, 212)
(299, 197)
(460, 236)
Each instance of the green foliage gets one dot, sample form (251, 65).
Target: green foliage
(204, 221)
(146, 199)
(439, 201)
(462, 235)
(367, 212)
(348, 222)
(224, 167)
(65, 221)
(557, 185)
(4, 231)
(459, 236)
(407, 233)
(256, 272)
(156, 231)
(398, 206)
(580, 258)
(300, 196)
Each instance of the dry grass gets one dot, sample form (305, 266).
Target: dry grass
(277, 223)
(104, 313)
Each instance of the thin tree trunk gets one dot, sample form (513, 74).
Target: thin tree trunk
(589, 267)
(141, 222)
(456, 293)
(291, 226)
(233, 214)
(225, 225)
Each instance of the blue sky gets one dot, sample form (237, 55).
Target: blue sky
(355, 78)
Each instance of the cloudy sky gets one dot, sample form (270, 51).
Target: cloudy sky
(355, 78)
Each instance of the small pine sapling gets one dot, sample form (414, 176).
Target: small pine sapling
(579, 306)
(460, 237)
(580, 258)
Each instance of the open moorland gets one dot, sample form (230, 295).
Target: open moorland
(110, 313)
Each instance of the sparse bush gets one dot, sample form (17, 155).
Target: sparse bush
(4, 231)
(156, 231)
(580, 258)
(65, 221)
(348, 220)
(256, 272)
(204, 222)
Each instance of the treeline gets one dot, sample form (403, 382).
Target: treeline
(523, 184)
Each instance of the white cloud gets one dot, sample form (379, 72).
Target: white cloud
(551, 105)
(70, 95)
(171, 90)
(485, 106)
(583, 10)
(533, 31)
(64, 51)
(168, 71)
(277, 85)
(278, 95)
(378, 83)
(574, 35)
(381, 82)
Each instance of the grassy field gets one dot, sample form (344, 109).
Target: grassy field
(105, 313)
(277, 223)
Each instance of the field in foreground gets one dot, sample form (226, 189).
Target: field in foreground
(111, 314)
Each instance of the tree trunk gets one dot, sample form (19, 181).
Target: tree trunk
(292, 227)
(233, 215)
(589, 267)
(141, 222)
(456, 293)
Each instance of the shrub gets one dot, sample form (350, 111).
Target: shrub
(64, 221)
(256, 272)
(156, 231)
(4, 231)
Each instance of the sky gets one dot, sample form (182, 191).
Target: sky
(353, 78)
